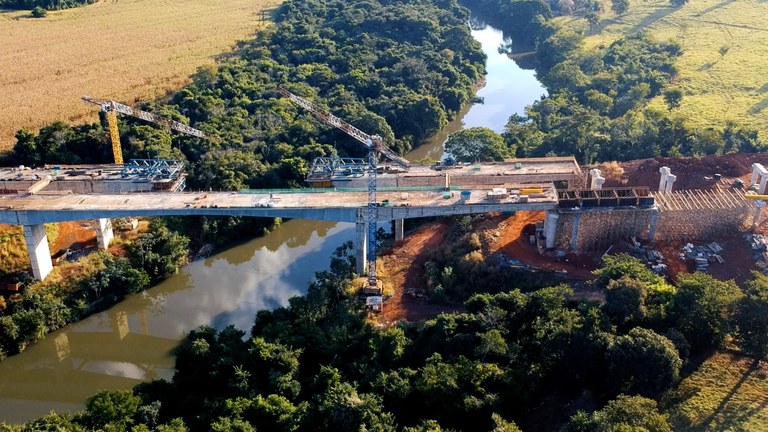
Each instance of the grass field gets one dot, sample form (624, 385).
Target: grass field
(723, 69)
(726, 393)
(126, 50)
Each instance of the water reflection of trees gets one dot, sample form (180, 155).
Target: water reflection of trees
(475, 23)
(478, 22)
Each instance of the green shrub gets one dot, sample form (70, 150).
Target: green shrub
(39, 12)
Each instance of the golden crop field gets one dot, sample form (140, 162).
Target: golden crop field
(125, 50)
(722, 71)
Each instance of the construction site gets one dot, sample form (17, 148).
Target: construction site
(676, 214)
(712, 223)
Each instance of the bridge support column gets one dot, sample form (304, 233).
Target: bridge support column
(104, 233)
(361, 244)
(759, 204)
(399, 229)
(575, 231)
(652, 228)
(550, 228)
(39, 253)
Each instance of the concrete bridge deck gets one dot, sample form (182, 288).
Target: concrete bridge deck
(32, 209)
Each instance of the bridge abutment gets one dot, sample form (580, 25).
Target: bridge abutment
(594, 229)
(39, 252)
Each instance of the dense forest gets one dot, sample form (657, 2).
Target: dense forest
(401, 70)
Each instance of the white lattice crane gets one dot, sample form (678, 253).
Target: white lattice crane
(111, 108)
(375, 145)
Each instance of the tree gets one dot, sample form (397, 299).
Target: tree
(476, 144)
(39, 12)
(26, 151)
(566, 74)
(752, 318)
(634, 411)
(501, 425)
(51, 422)
(619, 6)
(625, 413)
(111, 407)
(160, 251)
(593, 19)
(620, 265)
(673, 98)
(702, 309)
(491, 342)
(642, 362)
(625, 301)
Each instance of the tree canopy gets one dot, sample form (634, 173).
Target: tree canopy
(476, 144)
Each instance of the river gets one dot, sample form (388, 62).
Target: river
(133, 341)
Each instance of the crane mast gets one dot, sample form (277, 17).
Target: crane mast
(375, 144)
(111, 108)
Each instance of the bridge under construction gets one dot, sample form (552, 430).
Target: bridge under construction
(577, 217)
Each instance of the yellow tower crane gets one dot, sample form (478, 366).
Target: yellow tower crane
(111, 108)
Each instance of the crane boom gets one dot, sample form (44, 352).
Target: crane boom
(125, 109)
(374, 142)
(111, 108)
(375, 145)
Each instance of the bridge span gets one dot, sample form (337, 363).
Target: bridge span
(32, 211)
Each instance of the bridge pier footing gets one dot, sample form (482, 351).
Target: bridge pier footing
(399, 229)
(104, 233)
(39, 252)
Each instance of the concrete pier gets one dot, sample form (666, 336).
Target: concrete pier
(39, 252)
(759, 204)
(399, 229)
(550, 228)
(104, 233)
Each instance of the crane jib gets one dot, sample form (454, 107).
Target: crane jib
(375, 145)
(127, 110)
